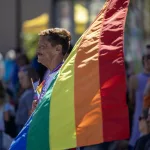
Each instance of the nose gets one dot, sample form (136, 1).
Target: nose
(37, 50)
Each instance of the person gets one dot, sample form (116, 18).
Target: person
(137, 84)
(4, 113)
(129, 72)
(144, 126)
(26, 99)
(20, 62)
(10, 126)
(53, 45)
(40, 69)
(146, 103)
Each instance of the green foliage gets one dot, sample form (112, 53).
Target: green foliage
(30, 42)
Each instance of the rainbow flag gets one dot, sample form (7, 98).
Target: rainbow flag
(39, 87)
(86, 102)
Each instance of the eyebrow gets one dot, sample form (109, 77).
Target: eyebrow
(43, 44)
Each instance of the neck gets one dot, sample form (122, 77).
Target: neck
(54, 63)
(145, 131)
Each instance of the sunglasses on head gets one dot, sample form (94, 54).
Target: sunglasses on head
(141, 118)
(147, 56)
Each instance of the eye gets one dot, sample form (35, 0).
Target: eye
(41, 47)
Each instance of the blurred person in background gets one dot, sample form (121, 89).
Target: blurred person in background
(20, 62)
(146, 103)
(10, 126)
(128, 75)
(143, 143)
(9, 64)
(137, 84)
(26, 99)
(46, 73)
(4, 113)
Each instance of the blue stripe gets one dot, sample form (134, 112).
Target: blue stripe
(20, 141)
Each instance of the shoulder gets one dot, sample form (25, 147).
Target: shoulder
(143, 139)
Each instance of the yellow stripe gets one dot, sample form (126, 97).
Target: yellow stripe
(62, 114)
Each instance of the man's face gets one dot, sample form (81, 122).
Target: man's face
(45, 51)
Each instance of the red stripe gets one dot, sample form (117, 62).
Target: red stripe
(112, 73)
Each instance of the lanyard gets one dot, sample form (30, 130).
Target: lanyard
(45, 84)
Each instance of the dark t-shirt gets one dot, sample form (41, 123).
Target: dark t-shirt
(141, 143)
(147, 147)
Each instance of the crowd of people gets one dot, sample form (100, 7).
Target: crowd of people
(17, 92)
(17, 95)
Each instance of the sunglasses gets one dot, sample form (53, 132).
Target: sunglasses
(141, 118)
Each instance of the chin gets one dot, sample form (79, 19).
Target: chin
(41, 62)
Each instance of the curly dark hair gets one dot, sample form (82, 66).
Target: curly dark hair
(58, 36)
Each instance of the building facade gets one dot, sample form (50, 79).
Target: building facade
(74, 15)
(13, 13)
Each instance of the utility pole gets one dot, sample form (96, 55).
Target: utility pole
(18, 25)
(72, 21)
(53, 16)
(52, 22)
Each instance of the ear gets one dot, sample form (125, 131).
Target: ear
(59, 48)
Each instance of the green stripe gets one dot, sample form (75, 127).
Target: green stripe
(38, 134)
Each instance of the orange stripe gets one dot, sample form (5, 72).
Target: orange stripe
(88, 111)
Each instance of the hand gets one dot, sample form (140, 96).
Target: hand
(34, 105)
